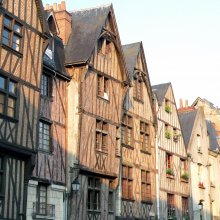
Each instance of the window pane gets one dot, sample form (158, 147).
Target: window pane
(7, 21)
(16, 43)
(2, 82)
(17, 28)
(12, 87)
(2, 102)
(6, 37)
(11, 107)
(44, 136)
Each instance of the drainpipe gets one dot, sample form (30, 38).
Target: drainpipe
(157, 178)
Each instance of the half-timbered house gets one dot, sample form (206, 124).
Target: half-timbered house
(196, 138)
(173, 173)
(21, 48)
(95, 62)
(138, 171)
(47, 185)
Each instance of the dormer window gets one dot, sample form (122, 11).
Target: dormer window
(138, 89)
(52, 25)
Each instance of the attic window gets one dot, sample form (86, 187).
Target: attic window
(104, 46)
(138, 90)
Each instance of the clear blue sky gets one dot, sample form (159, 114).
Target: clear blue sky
(181, 40)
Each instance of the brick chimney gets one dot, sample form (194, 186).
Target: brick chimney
(187, 108)
(63, 18)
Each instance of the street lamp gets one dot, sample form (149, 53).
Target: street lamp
(75, 185)
(200, 207)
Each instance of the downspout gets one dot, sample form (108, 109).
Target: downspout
(157, 178)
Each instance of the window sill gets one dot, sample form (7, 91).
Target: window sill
(170, 176)
(128, 146)
(96, 211)
(45, 151)
(138, 100)
(145, 152)
(19, 54)
(8, 118)
(128, 200)
(185, 181)
(102, 151)
(201, 187)
(102, 98)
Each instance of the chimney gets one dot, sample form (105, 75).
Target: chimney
(186, 104)
(63, 19)
(181, 103)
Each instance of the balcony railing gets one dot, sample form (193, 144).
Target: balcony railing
(42, 208)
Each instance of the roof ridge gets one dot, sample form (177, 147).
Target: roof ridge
(91, 8)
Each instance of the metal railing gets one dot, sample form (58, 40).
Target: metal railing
(42, 208)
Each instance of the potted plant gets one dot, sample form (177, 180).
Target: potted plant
(185, 176)
(176, 137)
(169, 171)
(167, 134)
(167, 109)
(201, 185)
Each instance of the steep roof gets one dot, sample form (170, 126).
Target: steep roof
(212, 136)
(40, 10)
(187, 120)
(87, 25)
(131, 52)
(160, 91)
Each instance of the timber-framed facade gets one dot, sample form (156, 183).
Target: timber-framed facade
(95, 99)
(138, 171)
(21, 51)
(173, 172)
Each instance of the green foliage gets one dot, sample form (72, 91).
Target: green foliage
(167, 134)
(170, 172)
(185, 176)
(167, 109)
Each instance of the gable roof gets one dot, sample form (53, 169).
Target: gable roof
(160, 91)
(87, 25)
(187, 120)
(212, 136)
(131, 52)
(40, 10)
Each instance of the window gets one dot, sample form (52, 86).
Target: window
(42, 199)
(169, 165)
(167, 132)
(167, 106)
(8, 96)
(127, 136)
(110, 197)
(171, 211)
(118, 142)
(46, 85)
(144, 136)
(185, 207)
(102, 87)
(145, 186)
(94, 194)
(104, 47)
(199, 143)
(176, 135)
(138, 89)
(1, 185)
(101, 135)
(12, 33)
(44, 136)
(127, 182)
(184, 169)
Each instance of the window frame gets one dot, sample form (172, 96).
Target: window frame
(171, 208)
(127, 130)
(185, 206)
(111, 200)
(138, 90)
(94, 192)
(48, 85)
(7, 94)
(118, 141)
(127, 182)
(146, 196)
(101, 137)
(145, 137)
(103, 87)
(49, 150)
(12, 33)
(39, 201)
